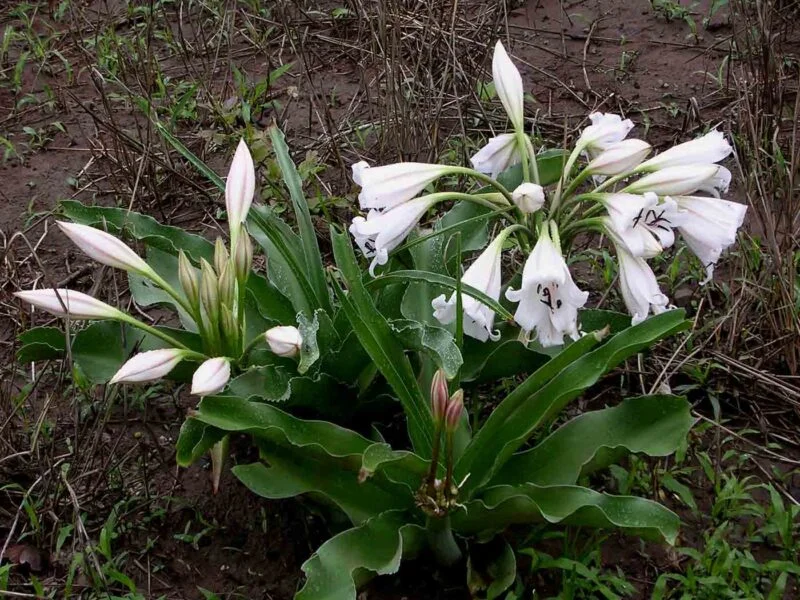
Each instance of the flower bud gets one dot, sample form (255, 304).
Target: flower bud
(188, 279)
(105, 248)
(240, 186)
(211, 376)
(439, 395)
(209, 295)
(243, 256)
(221, 256)
(675, 181)
(227, 323)
(455, 407)
(619, 157)
(227, 285)
(63, 302)
(284, 340)
(148, 366)
(529, 197)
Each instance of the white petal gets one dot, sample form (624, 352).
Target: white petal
(104, 247)
(240, 185)
(675, 181)
(358, 169)
(606, 129)
(148, 366)
(211, 376)
(78, 304)
(389, 186)
(619, 157)
(710, 148)
(497, 155)
(529, 197)
(639, 287)
(508, 84)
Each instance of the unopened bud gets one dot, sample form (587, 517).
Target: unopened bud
(242, 256)
(227, 285)
(439, 395)
(209, 295)
(227, 322)
(284, 340)
(455, 407)
(221, 256)
(188, 279)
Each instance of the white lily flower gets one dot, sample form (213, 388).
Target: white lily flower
(642, 223)
(676, 181)
(149, 366)
(528, 197)
(382, 232)
(104, 248)
(710, 148)
(240, 186)
(639, 286)
(78, 305)
(484, 275)
(500, 153)
(284, 340)
(211, 377)
(508, 84)
(606, 129)
(389, 186)
(619, 157)
(710, 227)
(718, 184)
(548, 299)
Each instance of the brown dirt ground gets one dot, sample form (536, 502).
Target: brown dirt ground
(575, 57)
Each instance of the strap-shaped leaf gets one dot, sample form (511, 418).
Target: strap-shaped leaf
(41, 343)
(443, 281)
(195, 439)
(504, 358)
(287, 266)
(352, 557)
(540, 398)
(308, 236)
(438, 342)
(380, 342)
(501, 506)
(399, 466)
(652, 425)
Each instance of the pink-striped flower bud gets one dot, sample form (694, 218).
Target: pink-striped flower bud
(455, 407)
(439, 395)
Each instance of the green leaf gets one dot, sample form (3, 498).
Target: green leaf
(499, 507)
(269, 301)
(491, 578)
(377, 338)
(148, 294)
(195, 161)
(652, 425)
(489, 362)
(195, 440)
(593, 319)
(308, 236)
(399, 466)
(545, 393)
(41, 343)
(140, 227)
(549, 162)
(438, 342)
(377, 546)
(440, 280)
(287, 266)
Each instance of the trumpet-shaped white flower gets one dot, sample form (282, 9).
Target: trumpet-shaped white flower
(710, 148)
(508, 84)
(149, 366)
(284, 340)
(240, 186)
(606, 129)
(642, 223)
(484, 275)
(529, 197)
(639, 286)
(389, 186)
(677, 181)
(382, 232)
(619, 157)
(718, 184)
(710, 227)
(63, 302)
(500, 153)
(211, 377)
(104, 248)
(548, 299)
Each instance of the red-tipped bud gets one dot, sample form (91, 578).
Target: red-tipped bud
(455, 407)
(439, 395)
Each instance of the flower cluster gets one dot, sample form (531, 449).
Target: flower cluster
(212, 296)
(636, 202)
